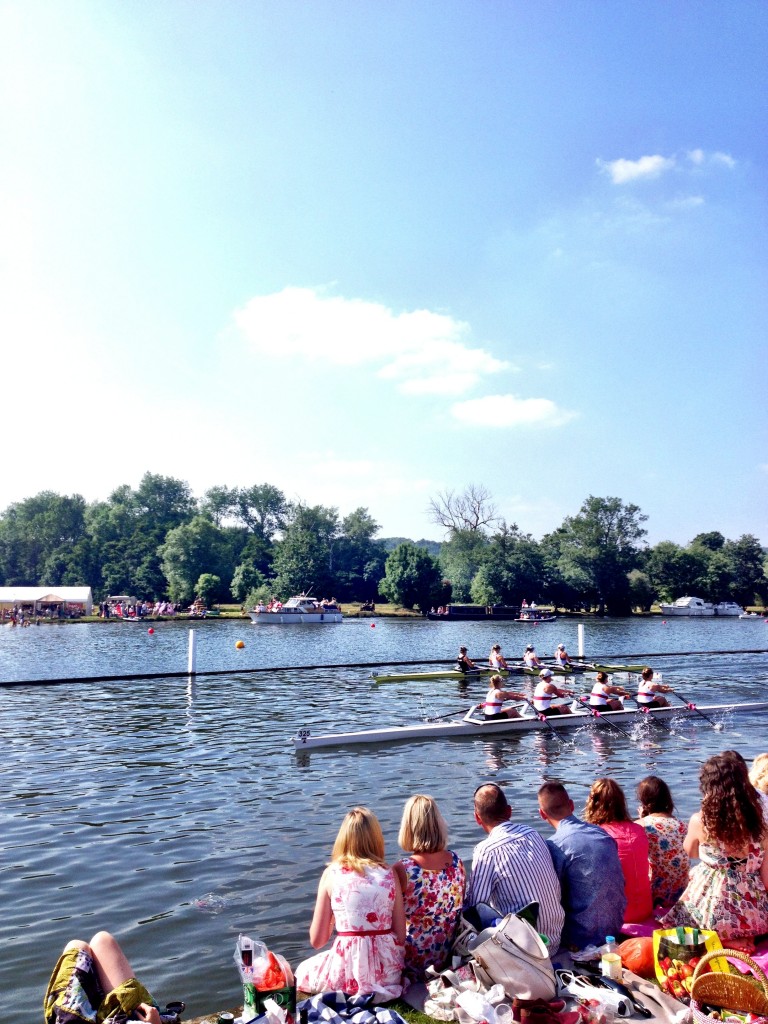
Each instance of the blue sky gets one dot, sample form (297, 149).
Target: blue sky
(372, 251)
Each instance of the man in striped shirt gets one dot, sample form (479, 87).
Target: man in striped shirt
(512, 866)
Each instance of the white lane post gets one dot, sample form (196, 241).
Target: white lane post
(580, 631)
(192, 654)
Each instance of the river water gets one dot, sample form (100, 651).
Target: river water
(177, 815)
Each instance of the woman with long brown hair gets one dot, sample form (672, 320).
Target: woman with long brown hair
(669, 861)
(607, 807)
(728, 888)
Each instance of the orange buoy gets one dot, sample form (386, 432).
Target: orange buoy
(239, 645)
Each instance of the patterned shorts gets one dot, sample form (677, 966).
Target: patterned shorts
(75, 996)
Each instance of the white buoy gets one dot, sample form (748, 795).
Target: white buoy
(580, 632)
(192, 654)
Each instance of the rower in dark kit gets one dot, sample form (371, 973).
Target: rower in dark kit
(464, 663)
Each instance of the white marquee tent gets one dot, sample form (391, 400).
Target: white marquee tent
(46, 597)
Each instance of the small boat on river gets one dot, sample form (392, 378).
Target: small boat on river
(472, 724)
(300, 609)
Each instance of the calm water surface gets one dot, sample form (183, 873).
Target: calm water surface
(177, 815)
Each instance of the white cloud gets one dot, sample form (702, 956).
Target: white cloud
(510, 411)
(723, 158)
(423, 351)
(687, 202)
(621, 171)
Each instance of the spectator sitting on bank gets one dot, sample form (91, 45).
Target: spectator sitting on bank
(607, 807)
(94, 981)
(587, 862)
(512, 866)
(432, 880)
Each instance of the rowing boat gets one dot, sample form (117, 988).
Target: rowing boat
(513, 670)
(472, 725)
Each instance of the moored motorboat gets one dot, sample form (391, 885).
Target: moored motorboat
(473, 725)
(299, 609)
(750, 615)
(688, 606)
(728, 608)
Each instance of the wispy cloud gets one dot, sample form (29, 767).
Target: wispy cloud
(504, 411)
(422, 351)
(623, 170)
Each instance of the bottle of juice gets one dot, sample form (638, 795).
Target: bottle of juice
(610, 961)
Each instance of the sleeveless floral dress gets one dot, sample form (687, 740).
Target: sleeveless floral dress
(670, 864)
(433, 901)
(367, 959)
(725, 894)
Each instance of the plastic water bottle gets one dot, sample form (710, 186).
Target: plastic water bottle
(610, 961)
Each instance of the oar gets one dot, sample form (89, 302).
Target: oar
(543, 718)
(596, 714)
(450, 714)
(692, 707)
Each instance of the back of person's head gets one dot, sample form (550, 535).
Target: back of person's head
(654, 796)
(731, 808)
(491, 804)
(422, 828)
(495, 681)
(554, 800)
(606, 803)
(758, 773)
(647, 673)
(360, 841)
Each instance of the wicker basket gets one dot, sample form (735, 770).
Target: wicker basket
(730, 990)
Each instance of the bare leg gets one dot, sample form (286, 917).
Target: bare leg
(111, 962)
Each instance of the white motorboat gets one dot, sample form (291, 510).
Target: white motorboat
(688, 606)
(750, 615)
(472, 724)
(300, 609)
(728, 608)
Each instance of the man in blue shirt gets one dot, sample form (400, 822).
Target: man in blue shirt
(586, 859)
(512, 866)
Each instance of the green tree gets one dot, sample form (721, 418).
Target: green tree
(245, 580)
(411, 577)
(359, 558)
(599, 547)
(461, 556)
(642, 593)
(219, 504)
(43, 540)
(304, 558)
(745, 563)
(675, 571)
(191, 551)
(207, 588)
(512, 569)
(262, 509)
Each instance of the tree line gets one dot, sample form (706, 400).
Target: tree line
(244, 544)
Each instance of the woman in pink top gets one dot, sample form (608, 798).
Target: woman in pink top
(607, 807)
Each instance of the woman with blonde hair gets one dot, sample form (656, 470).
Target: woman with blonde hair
(727, 891)
(361, 897)
(758, 776)
(433, 879)
(607, 807)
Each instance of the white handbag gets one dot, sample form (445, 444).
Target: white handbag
(513, 955)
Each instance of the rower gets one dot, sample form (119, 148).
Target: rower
(561, 657)
(496, 659)
(531, 658)
(545, 691)
(464, 663)
(496, 697)
(649, 693)
(604, 695)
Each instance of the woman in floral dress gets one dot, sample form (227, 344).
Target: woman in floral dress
(728, 889)
(433, 880)
(361, 897)
(670, 863)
